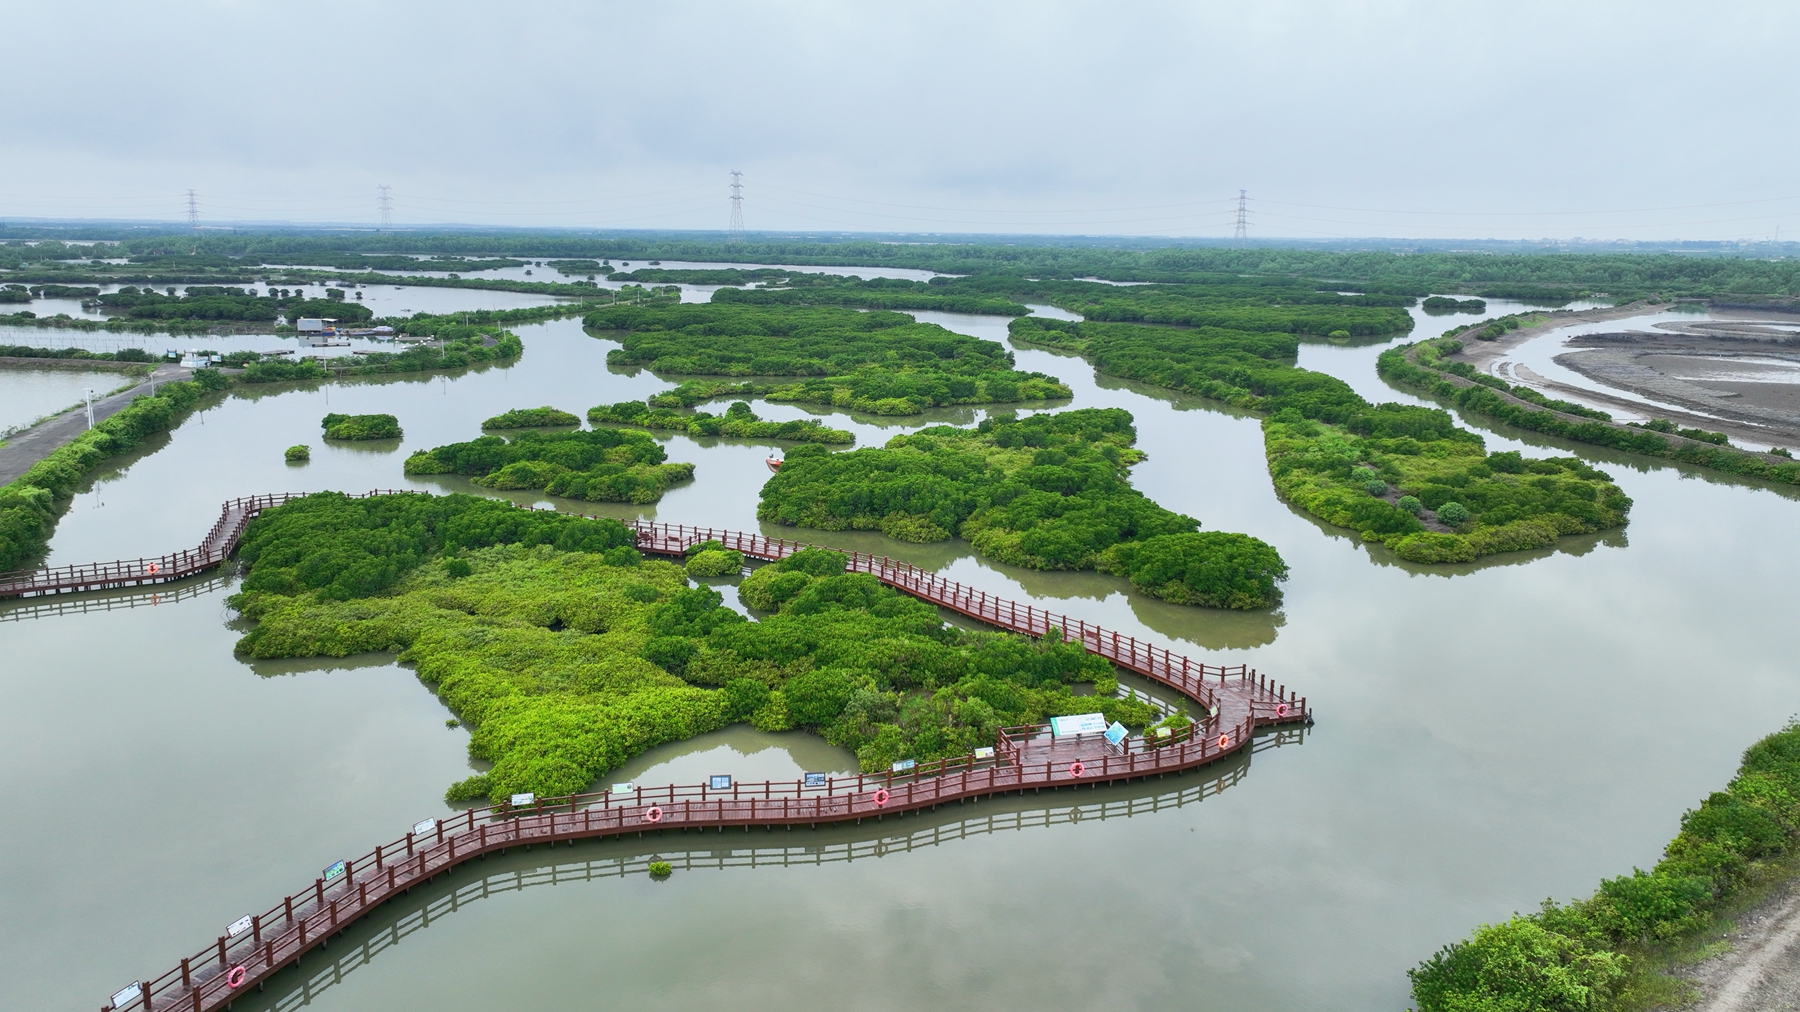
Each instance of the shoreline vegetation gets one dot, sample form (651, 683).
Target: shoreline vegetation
(31, 504)
(1611, 952)
(877, 362)
(567, 653)
(738, 421)
(1408, 477)
(1429, 368)
(1046, 492)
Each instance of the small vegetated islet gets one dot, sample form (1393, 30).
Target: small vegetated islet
(528, 418)
(738, 421)
(567, 653)
(601, 465)
(879, 362)
(299, 453)
(1601, 953)
(1340, 458)
(360, 426)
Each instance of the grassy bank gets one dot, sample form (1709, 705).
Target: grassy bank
(30, 505)
(1427, 369)
(1604, 953)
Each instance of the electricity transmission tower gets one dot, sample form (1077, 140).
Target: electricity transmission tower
(1240, 234)
(193, 209)
(386, 202)
(736, 232)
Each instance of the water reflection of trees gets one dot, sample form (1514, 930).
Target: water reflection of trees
(894, 837)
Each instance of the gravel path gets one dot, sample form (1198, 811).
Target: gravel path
(1761, 972)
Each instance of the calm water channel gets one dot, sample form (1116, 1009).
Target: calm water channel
(1488, 735)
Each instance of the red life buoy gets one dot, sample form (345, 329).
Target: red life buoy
(152, 568)
(1076, 769)
(1281, 709)
(235, 979)
(1224, 741)
(653, 815)
(881, 797)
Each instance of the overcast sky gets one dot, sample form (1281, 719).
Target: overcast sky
(1627, 120)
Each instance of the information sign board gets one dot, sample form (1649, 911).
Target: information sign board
(623, 788)
(905, 764)
(428, 826)
(985, 752)
(333, 873)
(238, 927)
(1116, 733)
(525, 800)
(815, 780)
(1080, 723)
(720, 782)
(127, 994)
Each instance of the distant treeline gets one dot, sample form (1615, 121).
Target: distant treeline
(1558, 276)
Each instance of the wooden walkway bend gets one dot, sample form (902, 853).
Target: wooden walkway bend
(1234, 700)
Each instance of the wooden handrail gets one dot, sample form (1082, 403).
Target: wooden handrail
(306, 919)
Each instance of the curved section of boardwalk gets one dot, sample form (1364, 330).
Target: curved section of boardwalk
(1234, 702)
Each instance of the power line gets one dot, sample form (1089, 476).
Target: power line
(386, 202)
(1241, 232)
(736, 232)
(193, 209)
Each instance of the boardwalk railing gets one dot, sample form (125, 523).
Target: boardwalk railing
(1236, 700)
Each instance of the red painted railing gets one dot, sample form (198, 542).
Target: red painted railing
(1235, 699)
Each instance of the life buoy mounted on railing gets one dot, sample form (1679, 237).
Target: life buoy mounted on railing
(1076, 768)
(151, 569)
(653, 815)
(1281, 710)
(235, 978)
(880, 797)
(1224, 742)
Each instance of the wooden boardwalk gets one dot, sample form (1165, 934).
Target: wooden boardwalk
(1232, 703)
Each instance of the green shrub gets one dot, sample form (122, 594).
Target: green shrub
(1375, 487)
(1453, 513)
(661, 869)
(1517, 967)
(298, 453)
(361, 426)
(603, 465)
(878, 362)
(1212, 569)
(1047, 492)
(1410, 503)
(715, 562)
(524, 418)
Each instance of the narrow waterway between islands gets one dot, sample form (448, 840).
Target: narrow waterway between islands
(1488, 735)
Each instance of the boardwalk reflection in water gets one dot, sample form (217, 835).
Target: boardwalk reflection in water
(403, 919)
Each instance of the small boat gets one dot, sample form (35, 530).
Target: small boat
(774, 463)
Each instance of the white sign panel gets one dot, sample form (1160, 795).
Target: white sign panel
(128, 994)
(623, 788)
(238, 927)
(719, 782)
(985, 752)
(1116, 733)
(524, 800)
(422, 828)
(904, 765)
(1080, 723)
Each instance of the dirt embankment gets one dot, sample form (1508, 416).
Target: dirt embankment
(1761, 969)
